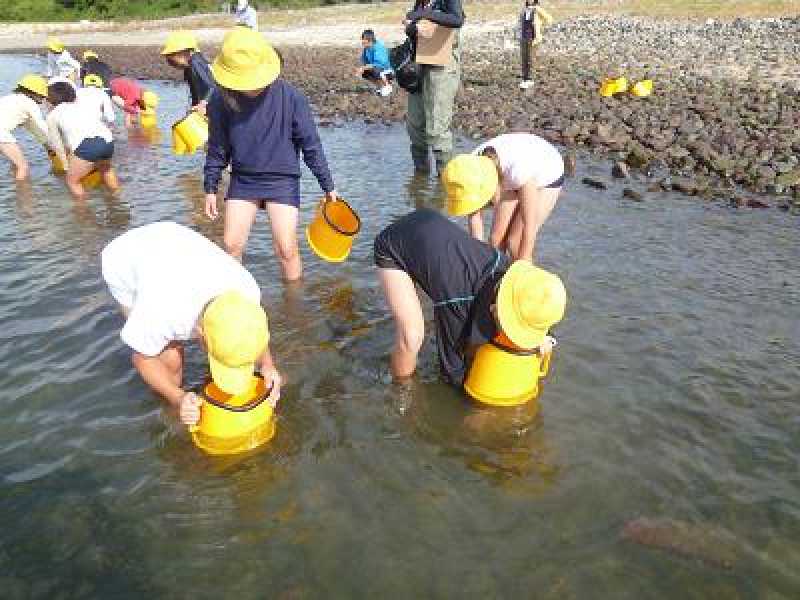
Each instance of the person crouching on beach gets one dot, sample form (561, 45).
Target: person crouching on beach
(521, 174)
(181, 52)
(60, 62)
(131, 98)
(376, 67)
(79, 138)
(532, 21)
(260, 124)
(174, 285)
(477, 293)
(22, 108)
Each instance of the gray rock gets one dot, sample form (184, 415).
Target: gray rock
(632, 194)
(594, 183)
(620, 170)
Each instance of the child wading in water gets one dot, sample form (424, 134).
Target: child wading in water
(532, 21)
(259, 124)
(181, 52)
(79, 138)
(60, 62)
(21, 108)
(531, 174)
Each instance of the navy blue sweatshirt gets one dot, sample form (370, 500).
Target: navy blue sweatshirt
(265, 137)
(199, 79)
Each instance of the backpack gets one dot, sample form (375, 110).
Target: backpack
(406, 70)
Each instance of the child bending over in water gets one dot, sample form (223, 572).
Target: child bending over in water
(79, 138)
(21, 108)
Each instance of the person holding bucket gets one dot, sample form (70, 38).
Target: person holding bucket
(478, 294)
(181, 52)
(80, 140)
(521, 174)
(22, 108)
(259, 124)
(174, 285)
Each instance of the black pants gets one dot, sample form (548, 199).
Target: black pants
(528, 51)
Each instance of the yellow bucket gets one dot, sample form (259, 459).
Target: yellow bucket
(331, 233)
(189, 134)
(643, 88)
(500, 376)
(148, 119)
(58, 166)
(92, 180)
(609, 87)
(234, 424)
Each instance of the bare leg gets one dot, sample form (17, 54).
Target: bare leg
(109, 176)
(503, 215)
(283, 219)
(14, 153)
(534, 208)
(78, 169)
(403, 301)
(239, 218)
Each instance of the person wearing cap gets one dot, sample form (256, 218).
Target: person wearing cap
(246, 15)
(174, 285)
(59, 61)
(131, 98)
(521, 174)
(259, 124)
(21, 108)
(79, 138)
(181, 52)
(92, 65)
(477, 292)
(95, 98)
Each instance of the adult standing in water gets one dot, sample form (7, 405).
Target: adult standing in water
(246, 15)
(174, 285)
(259, 124)
(430, 111)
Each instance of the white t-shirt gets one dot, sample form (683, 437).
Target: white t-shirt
(69, 123)
(98, 101)
(165, 274)
(524, 157)
(62, 64)
(18, 110)
(247, 17)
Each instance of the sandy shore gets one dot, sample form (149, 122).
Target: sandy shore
(724, 119)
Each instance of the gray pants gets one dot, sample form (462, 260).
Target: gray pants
(430, 111)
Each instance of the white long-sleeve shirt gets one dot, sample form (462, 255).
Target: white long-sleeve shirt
(69, 123)
(98, 101)
(17, 110)
(62, 65)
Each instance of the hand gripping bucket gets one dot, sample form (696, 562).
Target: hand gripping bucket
(501, 376)
(234, 424)
(189, 134)
(331, 233)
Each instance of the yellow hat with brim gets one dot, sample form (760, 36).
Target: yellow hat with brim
(55, 45)
(246, 61)
(35, 84)
(89, 54)
(93, 81)
(470, 183)
(529, 302)
(177, 41)
(236, 334)
(149, 99)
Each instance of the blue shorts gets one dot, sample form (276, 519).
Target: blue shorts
(262, 188)
(95, 149)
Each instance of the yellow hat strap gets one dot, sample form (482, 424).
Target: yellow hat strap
(254, 403)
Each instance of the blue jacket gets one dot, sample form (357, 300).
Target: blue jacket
(377, 56)
(198, 76)
(265, 136)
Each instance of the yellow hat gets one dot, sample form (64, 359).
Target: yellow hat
(470, 182)
(54, 44)
(236, 334)
(179, 40)
(246, 61)
(149, 99)
(530, 301)
(35, 84)
(93, 81)
(89, 54)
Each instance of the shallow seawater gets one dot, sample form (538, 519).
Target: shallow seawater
(674, 395)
